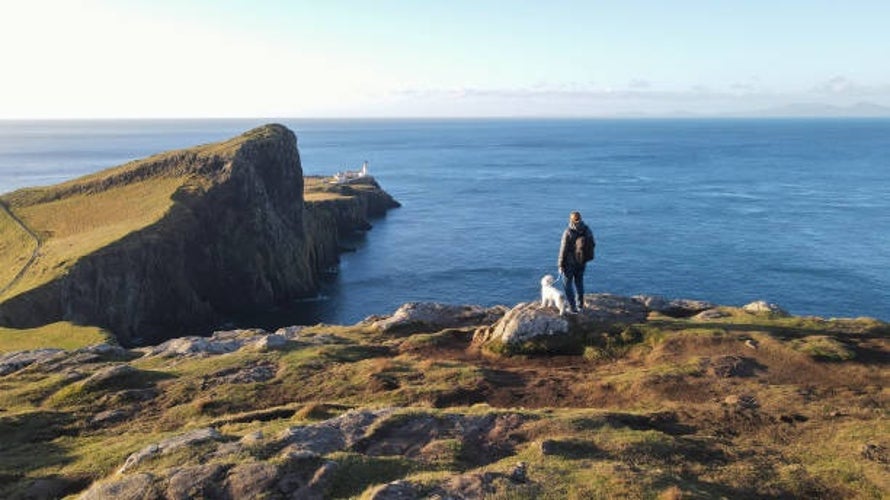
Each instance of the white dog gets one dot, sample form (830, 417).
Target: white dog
(552, 296)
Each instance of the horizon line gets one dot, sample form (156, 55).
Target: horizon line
(450, 118)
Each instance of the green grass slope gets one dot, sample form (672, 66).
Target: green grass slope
(16, 249)
(78, 217)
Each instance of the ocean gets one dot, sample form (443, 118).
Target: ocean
(795, 212)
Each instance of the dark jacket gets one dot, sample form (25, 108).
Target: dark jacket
(566, 259)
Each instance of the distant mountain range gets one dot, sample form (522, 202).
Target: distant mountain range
(792, 110)
(814, 109)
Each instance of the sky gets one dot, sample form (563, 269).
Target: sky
(387, 58)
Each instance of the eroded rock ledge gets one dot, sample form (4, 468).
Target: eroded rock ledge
(421, 404)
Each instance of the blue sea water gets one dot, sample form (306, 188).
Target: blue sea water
(795, 212)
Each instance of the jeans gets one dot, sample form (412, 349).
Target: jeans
(576, 277)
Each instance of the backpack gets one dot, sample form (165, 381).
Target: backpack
(584, 245)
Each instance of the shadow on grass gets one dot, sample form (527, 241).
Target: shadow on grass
(666, 422)
(26, 446)
(864, 355)
(353, 353)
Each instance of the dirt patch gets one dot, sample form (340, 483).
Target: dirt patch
(731, 366)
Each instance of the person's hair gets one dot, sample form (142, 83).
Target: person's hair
(575, 217)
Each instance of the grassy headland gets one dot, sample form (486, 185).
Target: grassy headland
(78, 217)
(178, 242)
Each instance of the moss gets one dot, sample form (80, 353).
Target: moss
(87, 392)
(823, 348)
(355, 473)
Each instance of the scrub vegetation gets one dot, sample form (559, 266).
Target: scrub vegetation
(742, 406)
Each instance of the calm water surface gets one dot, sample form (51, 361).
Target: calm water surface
(791, 211)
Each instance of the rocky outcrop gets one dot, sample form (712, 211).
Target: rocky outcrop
(169, 445)
(293, 464)
(236, 238)
(530, 322)
(764, 307)
(15, 361)
(59, 360)
(416, 317)
(675, 308)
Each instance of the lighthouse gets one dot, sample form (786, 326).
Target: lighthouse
(364, 171)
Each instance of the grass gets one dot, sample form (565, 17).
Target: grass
(645, 421)
(81, 216)
(356, 472)
(78, 225)
(823, 347)
(16, 247)
(60, 335)
(319, 189)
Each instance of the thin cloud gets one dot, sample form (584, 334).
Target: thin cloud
(843, 86)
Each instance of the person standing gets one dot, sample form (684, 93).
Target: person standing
(575, 250)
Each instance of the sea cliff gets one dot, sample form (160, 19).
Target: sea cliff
(174, 243)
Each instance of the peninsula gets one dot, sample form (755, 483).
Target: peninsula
(174, 243)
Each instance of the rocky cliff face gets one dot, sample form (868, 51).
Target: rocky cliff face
(237, 237)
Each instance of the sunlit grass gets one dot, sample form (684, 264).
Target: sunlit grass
(78, 225)
(16, 247)
(61, 335)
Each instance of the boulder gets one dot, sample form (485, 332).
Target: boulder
(268, 343)
(764, 307)
(415, 317)
(611, 309)
(134, 487)
(110, 376)
(290, 332)
(252, 480)
(675, 308)
(189, 438)
(221, 342)
(15, 361)
(529, 322)
(241, 375)
(335, 434)
(201, 481)
(105, 349)
(396, 490)
(711, 314)
(192, 346)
